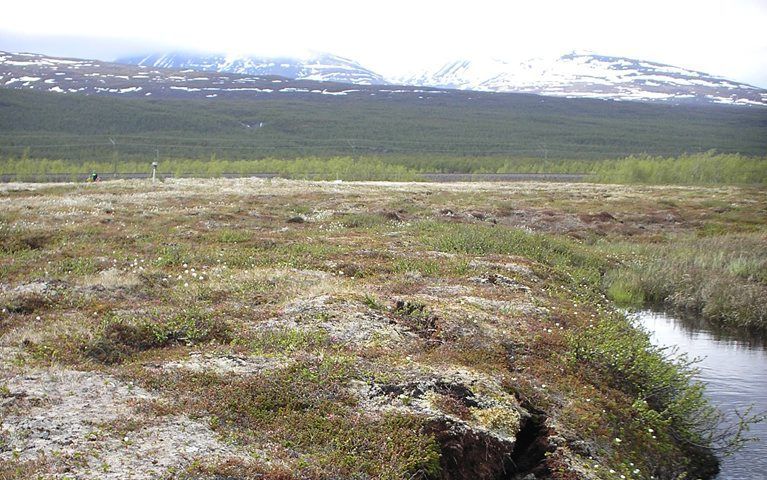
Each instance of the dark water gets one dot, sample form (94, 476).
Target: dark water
(735, 371)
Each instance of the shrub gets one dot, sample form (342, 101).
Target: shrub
(707, 168)
(117, 338)
(13, 242)
(28, 302)
(667, 397)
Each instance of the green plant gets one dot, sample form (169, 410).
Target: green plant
(286, 341)
(233, 236)
(624, 287)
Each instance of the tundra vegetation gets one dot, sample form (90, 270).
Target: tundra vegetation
(281, 329)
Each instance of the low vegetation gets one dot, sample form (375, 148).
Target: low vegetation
(288, 329)
(699, 169)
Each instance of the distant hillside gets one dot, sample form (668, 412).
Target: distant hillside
(452, 132)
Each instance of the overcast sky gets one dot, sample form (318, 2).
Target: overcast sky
(396, 37)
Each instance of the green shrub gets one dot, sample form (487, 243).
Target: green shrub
(363, 220)
(707, 168)
(233, 236)
(287, 341)
(666, 396)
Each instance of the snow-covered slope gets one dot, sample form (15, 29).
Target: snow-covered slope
(572, 75)
(593, 76)
(31, 71)
(324, 68)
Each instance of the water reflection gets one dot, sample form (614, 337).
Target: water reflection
(734, 368)
(739, 338)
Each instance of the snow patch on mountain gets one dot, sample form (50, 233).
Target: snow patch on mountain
(321, 67)
(590, 76)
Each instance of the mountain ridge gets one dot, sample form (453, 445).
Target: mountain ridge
(320, 67)
(579, 75)
(574, 75)
(30, 71)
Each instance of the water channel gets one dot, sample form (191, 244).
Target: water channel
(734, 368)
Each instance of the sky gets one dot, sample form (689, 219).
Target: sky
(396, 37)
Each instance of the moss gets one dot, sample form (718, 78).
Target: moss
(500, 419)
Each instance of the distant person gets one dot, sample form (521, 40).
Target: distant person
(94, 177)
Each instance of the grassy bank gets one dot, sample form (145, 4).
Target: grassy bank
(721, 278)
